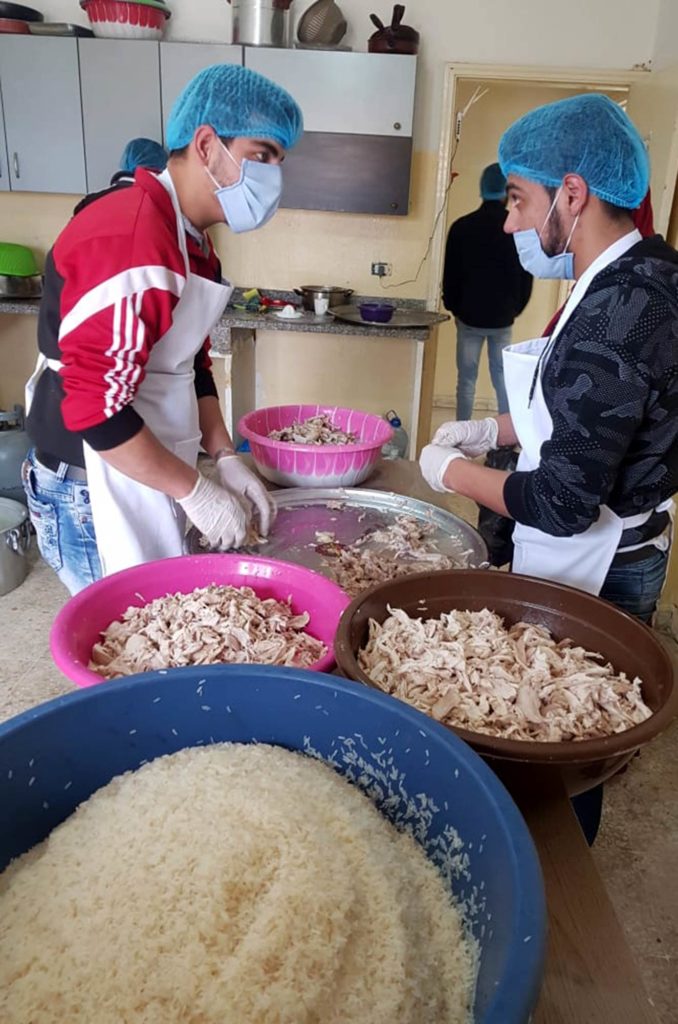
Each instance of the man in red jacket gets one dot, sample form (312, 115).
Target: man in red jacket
(123, 396)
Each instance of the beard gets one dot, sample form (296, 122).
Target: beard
(554, 236)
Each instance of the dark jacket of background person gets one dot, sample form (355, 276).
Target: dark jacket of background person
(484, 284)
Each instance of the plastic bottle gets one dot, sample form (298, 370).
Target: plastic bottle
(397, 447)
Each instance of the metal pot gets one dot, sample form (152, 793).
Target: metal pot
(261, 22)
(335, 296)
(12, 287)
(14, 540)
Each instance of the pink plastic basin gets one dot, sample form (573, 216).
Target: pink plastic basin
(80, 622)
(308, 465)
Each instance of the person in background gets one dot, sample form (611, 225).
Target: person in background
(137, 153)
(122, 396)
(485, 288)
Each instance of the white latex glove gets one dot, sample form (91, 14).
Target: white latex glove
(217, 513)
(433, 463)
(241, 481)
(471, 437)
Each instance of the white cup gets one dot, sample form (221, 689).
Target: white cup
(321, 305)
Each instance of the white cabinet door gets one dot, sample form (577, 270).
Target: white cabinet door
(349, 93)
(4, 168)
(180, 62)
(43, 113)
(120, 85)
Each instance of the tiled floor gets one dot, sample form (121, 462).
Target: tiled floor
(636, 852)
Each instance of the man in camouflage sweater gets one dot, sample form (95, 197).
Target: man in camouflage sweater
(594, 406)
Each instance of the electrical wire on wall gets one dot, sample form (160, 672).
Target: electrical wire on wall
(458, 124)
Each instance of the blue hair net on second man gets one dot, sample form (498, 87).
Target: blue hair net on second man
(234, 101)
(587, 135)
(492, 183)
(143, 153)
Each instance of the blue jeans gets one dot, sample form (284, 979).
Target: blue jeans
(469, 346)
(636, 586)
(61, 515)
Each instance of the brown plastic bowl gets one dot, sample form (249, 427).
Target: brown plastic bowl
(597, 625)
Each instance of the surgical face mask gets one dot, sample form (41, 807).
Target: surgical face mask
(537, 262)
(252, 200)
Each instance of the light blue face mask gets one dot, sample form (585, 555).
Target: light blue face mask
(538, 263)
(251, 201)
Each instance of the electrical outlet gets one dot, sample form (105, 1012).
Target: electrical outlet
(382, 269)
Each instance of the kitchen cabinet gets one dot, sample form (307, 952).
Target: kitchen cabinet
(180, 62)
(43, 113)
(356, 152)
(349, 93)
(4, 169)
(120, 88)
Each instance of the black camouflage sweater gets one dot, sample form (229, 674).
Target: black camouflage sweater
(611, 387)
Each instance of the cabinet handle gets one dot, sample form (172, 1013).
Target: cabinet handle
(17, 172)
(397, 125)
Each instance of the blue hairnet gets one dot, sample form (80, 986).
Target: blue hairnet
(143, 153)
(587, 135)
(492, 183)
(234, 101)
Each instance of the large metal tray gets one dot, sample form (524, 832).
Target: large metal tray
(302, 512)
(401, 317)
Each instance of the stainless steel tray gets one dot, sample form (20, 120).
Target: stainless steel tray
(401, 317)
(302, 512)
(59, 28)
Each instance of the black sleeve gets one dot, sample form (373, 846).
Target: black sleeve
(597, 386)
(452, 271)
(121, 427)
(204, 381)
(524, 289)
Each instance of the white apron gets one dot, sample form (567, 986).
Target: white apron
(583, 560)
(135, 523)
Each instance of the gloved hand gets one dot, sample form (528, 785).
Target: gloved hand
(471, 437)
(433, 462)
(235, 477)
(218, 514)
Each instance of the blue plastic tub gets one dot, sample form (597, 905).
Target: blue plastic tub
(420, 774)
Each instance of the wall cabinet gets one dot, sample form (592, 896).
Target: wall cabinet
(349, 93)
(356, 152)
(43, 113)
(120, 87)
(71, 105)
(4, 170)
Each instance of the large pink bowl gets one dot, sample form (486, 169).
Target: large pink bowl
(80, 622)
(308, 465)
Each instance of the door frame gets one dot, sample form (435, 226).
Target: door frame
(459, 71)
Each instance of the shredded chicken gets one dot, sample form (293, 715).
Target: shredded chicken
(401, 549)
(467, 669)
(318, 430)
(211, 624)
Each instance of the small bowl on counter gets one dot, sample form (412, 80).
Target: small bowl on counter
(377, 312)
(589, 622)
(289, 464)
(80, 623)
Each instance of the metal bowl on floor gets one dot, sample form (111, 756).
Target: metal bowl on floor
(590, 622)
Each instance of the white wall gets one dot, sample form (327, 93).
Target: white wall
(585, 33)
(666, 41)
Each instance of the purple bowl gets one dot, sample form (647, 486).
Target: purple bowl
(376, 312)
